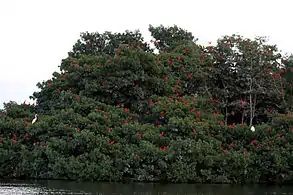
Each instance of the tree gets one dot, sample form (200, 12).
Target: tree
(106, 43)
(167, 38)
(286, 72)
(121, 69)
(241, 76)
(127, 78)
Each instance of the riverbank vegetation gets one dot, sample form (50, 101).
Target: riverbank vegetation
(180, 112)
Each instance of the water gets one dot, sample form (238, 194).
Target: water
(74, 188)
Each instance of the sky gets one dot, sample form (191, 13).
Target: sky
(35, 35)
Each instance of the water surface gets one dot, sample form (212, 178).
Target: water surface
(74, 188)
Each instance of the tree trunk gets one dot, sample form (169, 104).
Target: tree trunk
(242, 118)
(251, 108)
(250, 95)
(226, 114)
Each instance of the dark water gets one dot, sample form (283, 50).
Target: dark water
(66, 187)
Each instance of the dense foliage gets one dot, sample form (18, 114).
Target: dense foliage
(121, 111)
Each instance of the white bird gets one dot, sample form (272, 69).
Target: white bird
(35, 119)
(252, 129)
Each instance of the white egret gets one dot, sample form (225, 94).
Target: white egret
(35, 119)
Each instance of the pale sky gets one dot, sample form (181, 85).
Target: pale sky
(35, 35)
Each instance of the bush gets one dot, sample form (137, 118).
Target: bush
(110, 143)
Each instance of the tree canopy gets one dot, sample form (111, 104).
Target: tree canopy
(118, 110)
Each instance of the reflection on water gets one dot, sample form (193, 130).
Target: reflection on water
(74, 188)
(31, 189)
